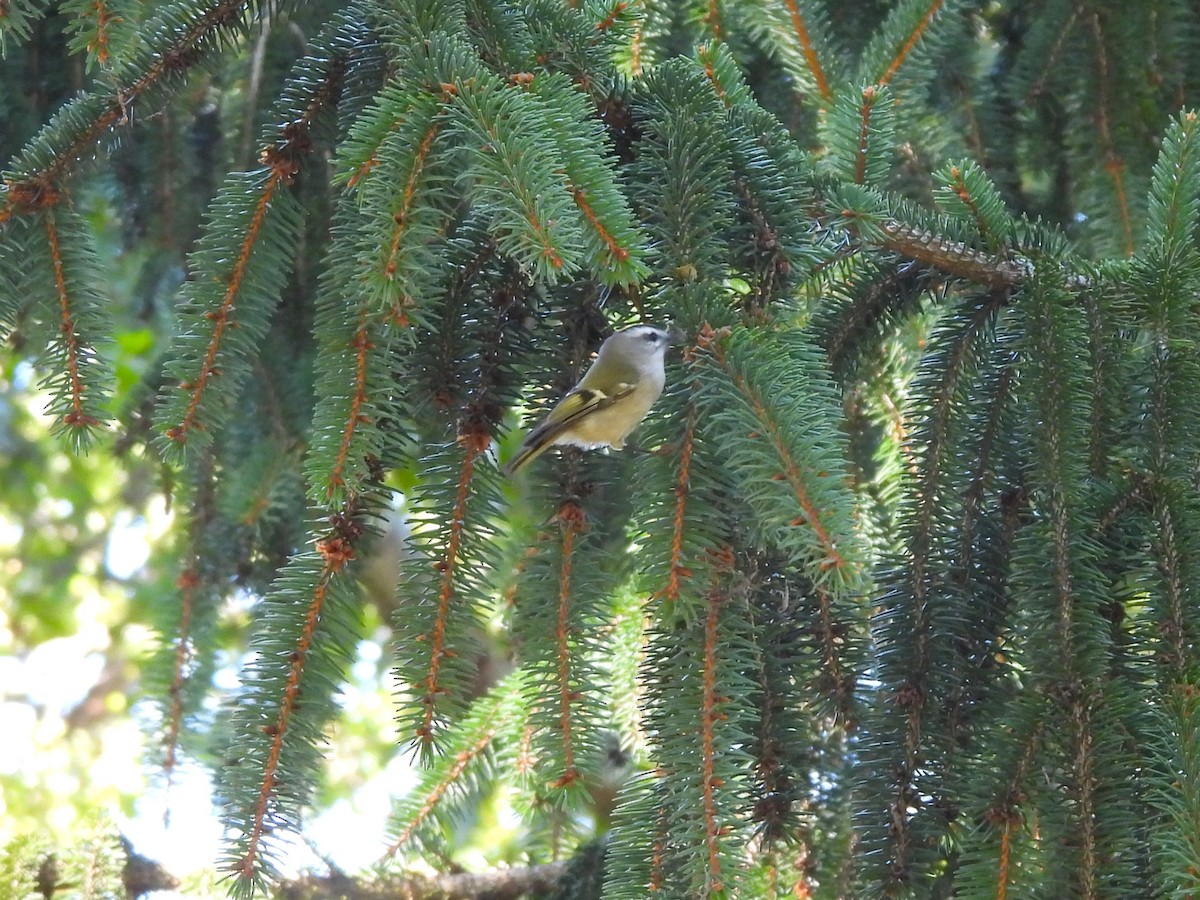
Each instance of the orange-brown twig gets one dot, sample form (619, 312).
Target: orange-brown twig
(809, 51)
(76, 418)
(358, 399)
(710, 714)
(448, 568)
(869, 95)
(833, 558)
(1114, 166)
(610, 18)
(179, 56)
(617, 252)
(911, 42)
(222, 317)
(573, 521)
(461, 760)
(407, 196)
(335, 558)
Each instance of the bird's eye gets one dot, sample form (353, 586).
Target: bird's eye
(651, 336)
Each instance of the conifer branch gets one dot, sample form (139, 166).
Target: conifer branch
(481, 746)
(870, 95)
(474, 441)
(870, 307)
(389, 267)
(1177, 798)
(952, 257)
(360, 152)
(259, 500)
(1084, 771)
(572, 520)
(520, 173)
(1114, 166)
(37, 189)
(76, 419)
(188, 617)
(1073, 632)
(222, 317)
(710, 714)
(983, 469)
(914, 689)
(840, 685)
(1002, 867)
(362, 345)
(102, 20)
(712, 19)
(1171, 423)
(453, 775)
(611, 17)
(242, 292)
(859, 134)
(1005, 812)
(240, 266)
(1173, 204)
(1051, 59)
(941, 409)
(909, 699)
(1062, 580)
(615, 250)
(336, 550)
(403, 212)
(356, 177)
(1173, 626)
(1103, 361)
(792, 473)
(658, 847)
(706, 57)
(801, 31)
(676, 570)
(615, 243)
(958, 184)
(774, 789)
(188, 582)
(910, 42)
(1133, 495)
(637, 42)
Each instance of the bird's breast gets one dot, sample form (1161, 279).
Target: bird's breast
(610, 426)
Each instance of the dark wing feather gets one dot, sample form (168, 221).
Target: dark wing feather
(580, 402)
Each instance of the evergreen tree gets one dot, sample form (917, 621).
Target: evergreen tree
(903, 601)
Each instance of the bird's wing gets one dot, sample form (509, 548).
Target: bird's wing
(583, 401)
(573, 407)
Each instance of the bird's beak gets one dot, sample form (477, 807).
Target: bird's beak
(676, 337)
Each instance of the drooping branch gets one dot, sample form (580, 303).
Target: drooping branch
(801, 31)
(910, 42)
(39, 188)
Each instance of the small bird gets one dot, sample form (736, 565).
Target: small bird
(610, 400)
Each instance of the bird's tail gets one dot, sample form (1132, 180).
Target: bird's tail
(535, 444)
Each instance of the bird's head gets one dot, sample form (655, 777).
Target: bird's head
(642, 346)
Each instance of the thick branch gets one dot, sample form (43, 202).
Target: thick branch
(499, 884)
(951, 256)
